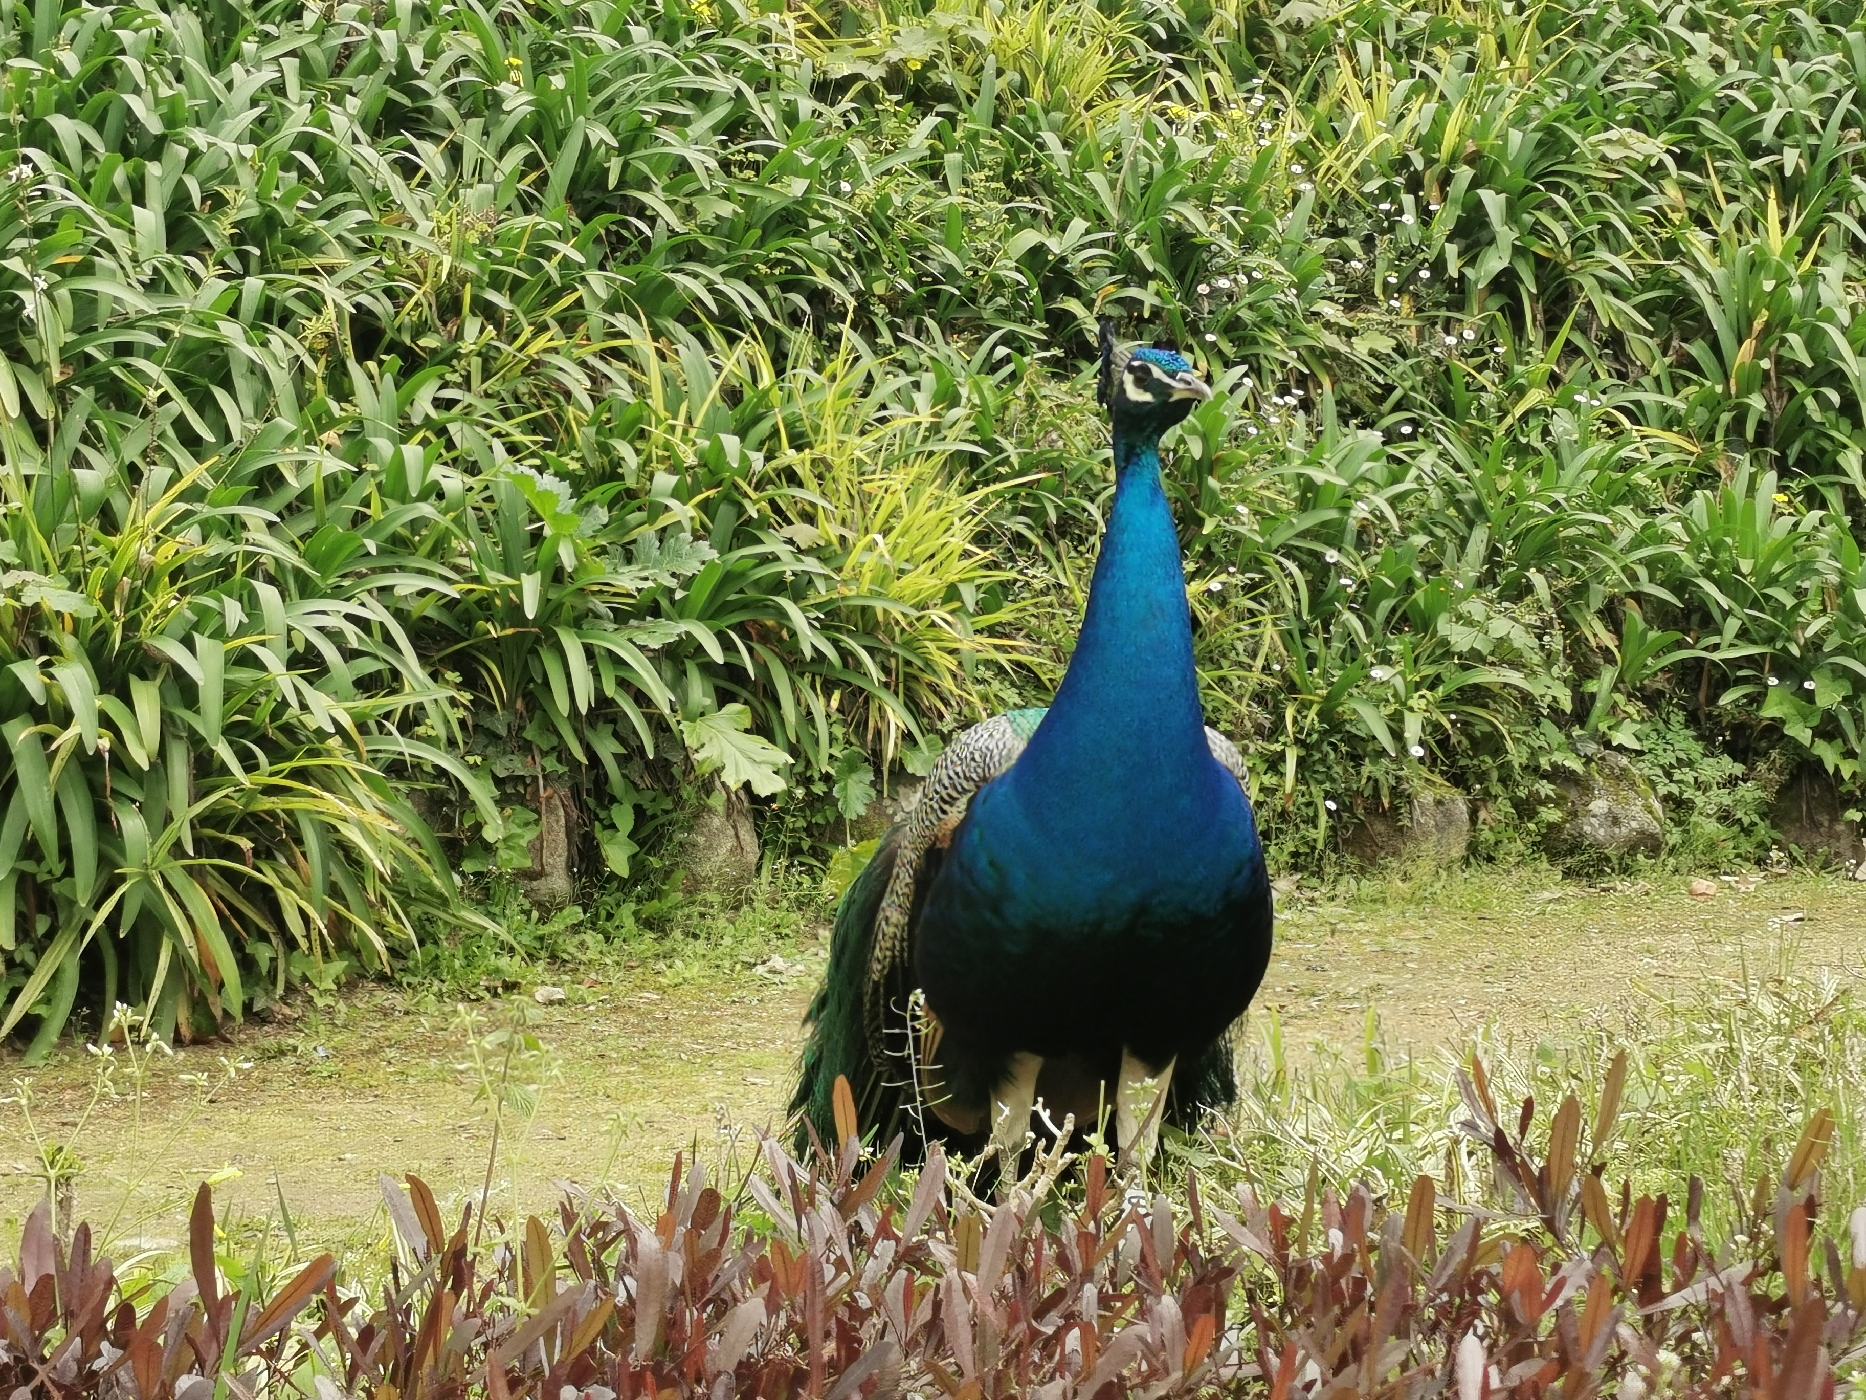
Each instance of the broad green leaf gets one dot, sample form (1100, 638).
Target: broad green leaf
(854, 786)
(32, 782)
(614, 838)
(80, 811)
(721, 741)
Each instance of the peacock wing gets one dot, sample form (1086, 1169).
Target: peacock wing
(978, 755)
(1227, 754)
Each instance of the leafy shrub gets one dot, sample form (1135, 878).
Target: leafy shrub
(832, 1280)
(199, 716)
(662, 392)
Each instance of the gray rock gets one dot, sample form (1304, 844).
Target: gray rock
(1811, 817)
(1433, 831)
(720, 854)
(883, 812)
(551, 883)
(1608, 809)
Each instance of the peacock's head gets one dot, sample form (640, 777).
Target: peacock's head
(1147, 388)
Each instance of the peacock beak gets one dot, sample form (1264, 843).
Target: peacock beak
(1190, 386)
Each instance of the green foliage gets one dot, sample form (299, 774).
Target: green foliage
(510, 399)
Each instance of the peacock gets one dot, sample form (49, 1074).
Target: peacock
(1076, 909)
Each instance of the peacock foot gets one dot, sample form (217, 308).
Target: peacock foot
(1140, 1109)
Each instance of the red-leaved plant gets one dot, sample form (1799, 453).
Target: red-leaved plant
(843, 1280)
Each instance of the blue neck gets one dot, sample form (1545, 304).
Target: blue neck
(1126, 735)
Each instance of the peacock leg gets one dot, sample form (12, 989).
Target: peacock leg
(1011, 1105)
(1139, 1109)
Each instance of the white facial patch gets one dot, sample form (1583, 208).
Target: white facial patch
(1133, 383)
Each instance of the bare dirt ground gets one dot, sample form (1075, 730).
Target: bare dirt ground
(643, 1067)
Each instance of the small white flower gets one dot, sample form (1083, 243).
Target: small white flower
(22, 173)
(845, 187)
(1807, 685)
(1329, 803)
(1393, 279)
(1250, 429)
(1417, 751)
(1306, 186)
(1469, 334)
(1231, 568)
(1355, 265)
(1239, 511)
(1405, 430)
(1331, 557)
(1406, 219)
(1295, 170)
(1347, 584)
(1386, 206)
(1425, 274)
(1451, 341)
(1435, 206)
(1205, 289)
(1217, 585)
(1380, 673)
(1224, 284)
(1394, 302)
(1497, 349)
(1210, 339)
(1774, 681)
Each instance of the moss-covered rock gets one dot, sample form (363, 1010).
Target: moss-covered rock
(720, 852)
(1432, 831)
(550, 882)
(1811, 817)
(1607, 809)
(882, 813)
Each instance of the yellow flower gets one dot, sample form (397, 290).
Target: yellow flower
(1781, 498)
(914, 65)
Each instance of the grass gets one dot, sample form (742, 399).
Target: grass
(1741, 1023)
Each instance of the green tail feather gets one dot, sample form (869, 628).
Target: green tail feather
(1203, 1087)
(838, 1043)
